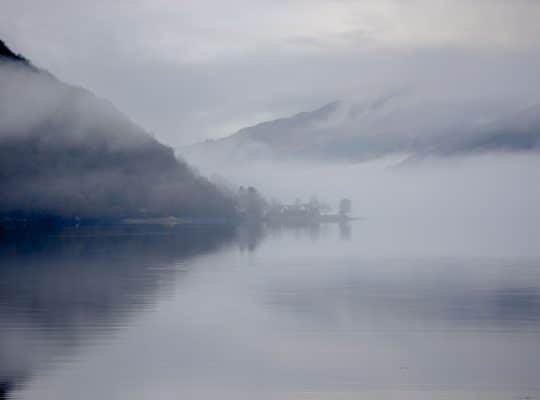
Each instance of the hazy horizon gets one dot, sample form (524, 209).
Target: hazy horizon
(373, 234)
(192, 71)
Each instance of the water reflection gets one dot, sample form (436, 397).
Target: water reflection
(290, 312)
(251, 234)
(432, 297)
(61, 289)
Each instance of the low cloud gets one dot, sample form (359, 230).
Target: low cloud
(192, 70)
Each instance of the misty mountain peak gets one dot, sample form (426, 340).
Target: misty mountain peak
(399, 122)
(65, 153)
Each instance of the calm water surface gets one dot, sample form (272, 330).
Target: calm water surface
(380, 309)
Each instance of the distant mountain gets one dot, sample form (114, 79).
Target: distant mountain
(405, 123)
(65, 153)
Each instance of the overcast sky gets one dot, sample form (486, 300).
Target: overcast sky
(190, 70)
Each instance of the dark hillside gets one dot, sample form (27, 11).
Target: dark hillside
(66, 153)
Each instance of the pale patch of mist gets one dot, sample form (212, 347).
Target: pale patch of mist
(488, 186)
(33, 100)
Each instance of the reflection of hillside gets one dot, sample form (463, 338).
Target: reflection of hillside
(64, 288)
(5, 388)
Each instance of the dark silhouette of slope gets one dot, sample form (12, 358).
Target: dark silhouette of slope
(65, 154)
(7, 53)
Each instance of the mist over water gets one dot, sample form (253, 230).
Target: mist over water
(129, 273)
(490, 185)
(434, 292)
(368, 309)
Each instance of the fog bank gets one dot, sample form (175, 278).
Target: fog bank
(490, 186)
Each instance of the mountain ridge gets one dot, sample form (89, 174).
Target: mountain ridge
(394, 123)
(65, 153)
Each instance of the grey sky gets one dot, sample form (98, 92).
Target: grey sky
(188, 70)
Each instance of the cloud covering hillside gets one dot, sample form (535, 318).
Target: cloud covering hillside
(66, 153)
(412, 123)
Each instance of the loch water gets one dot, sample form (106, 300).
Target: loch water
(374, 309)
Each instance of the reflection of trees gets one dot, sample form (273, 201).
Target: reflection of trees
(59, 291)
(345, 231)
(74, 284)
(252, 232)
